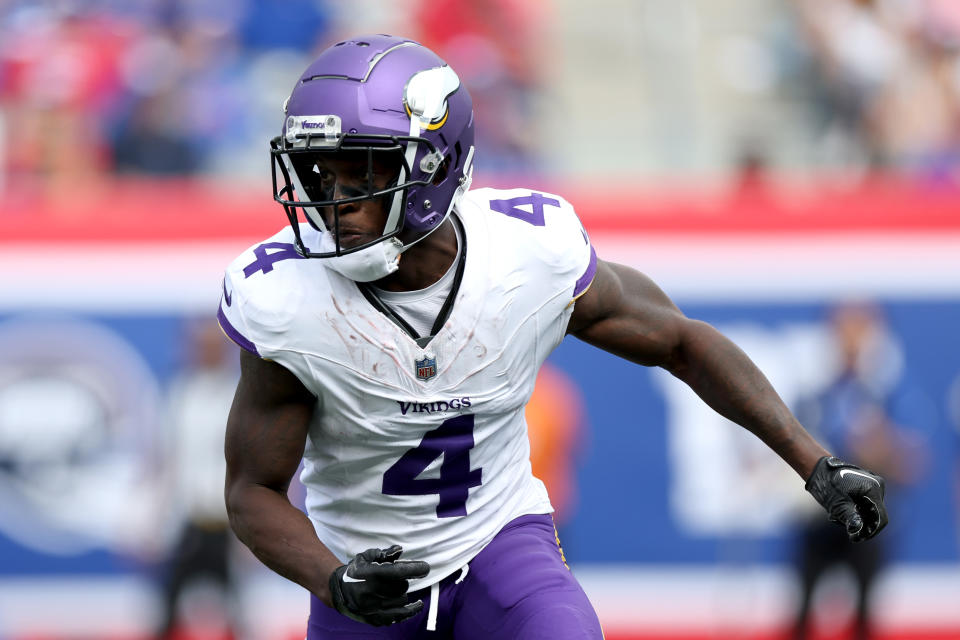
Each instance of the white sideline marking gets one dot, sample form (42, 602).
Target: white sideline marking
(664, 599)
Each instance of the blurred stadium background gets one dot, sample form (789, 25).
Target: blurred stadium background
(764, 161)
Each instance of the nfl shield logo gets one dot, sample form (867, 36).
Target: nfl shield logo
(426, 367)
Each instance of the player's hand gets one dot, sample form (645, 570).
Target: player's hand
(853, 497)
(372, 588)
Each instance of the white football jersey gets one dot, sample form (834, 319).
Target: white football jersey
(422, 447)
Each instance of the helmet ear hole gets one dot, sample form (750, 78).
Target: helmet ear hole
(459, 151)
(442, 171)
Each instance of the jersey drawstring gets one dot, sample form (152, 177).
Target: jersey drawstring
(432, 614)
(435, 598)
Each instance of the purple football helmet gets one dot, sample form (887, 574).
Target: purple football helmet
(375, 97)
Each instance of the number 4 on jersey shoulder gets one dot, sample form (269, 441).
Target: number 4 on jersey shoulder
(511, 207)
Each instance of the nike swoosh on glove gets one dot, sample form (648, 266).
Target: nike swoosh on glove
(853, 497)
(372, 587)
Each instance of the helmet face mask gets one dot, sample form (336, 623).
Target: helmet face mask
(397, 116)
(311, 186)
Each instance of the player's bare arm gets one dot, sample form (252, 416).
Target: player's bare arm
(625, 313)
(266, 434)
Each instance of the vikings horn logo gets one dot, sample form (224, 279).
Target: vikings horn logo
(425, 97)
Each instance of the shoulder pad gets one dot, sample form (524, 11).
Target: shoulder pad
(544, 225)
(263, 290)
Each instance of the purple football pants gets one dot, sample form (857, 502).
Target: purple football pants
(518, 587)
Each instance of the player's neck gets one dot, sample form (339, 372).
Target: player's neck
(425, 262)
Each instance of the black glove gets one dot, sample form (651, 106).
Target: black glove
(852, 496)
(372, 588)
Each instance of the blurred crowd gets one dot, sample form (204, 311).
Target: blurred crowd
(173, 87)
(178, 87)
(142, 87)
(886, 81)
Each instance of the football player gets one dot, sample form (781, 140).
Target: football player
(391, 336)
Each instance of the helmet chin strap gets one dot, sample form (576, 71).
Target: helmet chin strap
(366, 265)
(383, 258)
